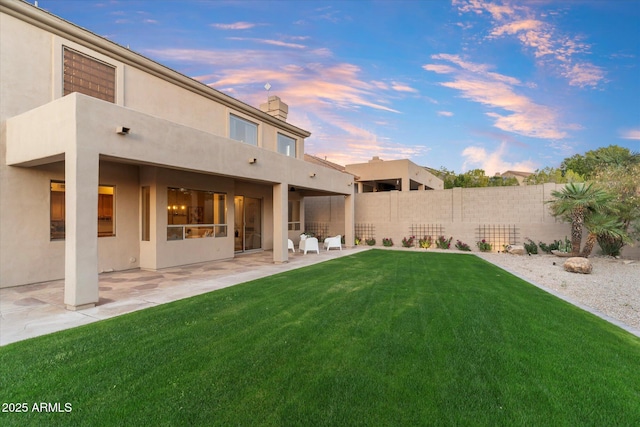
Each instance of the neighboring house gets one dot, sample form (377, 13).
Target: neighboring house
(323, 162)
(520, 176)
(111, 161)
(324, 215)
(389, 175)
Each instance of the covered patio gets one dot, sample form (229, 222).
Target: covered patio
(32, 310)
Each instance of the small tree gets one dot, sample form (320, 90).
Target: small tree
(542, 176)
(573, 203)
(623, 181)
(602, 224)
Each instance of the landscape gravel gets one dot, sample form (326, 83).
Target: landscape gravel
(612, 289)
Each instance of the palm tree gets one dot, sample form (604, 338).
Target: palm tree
(621, 158)
(573, 203)
(602, 225)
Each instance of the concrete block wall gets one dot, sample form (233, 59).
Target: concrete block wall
(459, 211)
(327, 210)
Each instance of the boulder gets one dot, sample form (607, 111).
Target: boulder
(578, 265)
(516, 250)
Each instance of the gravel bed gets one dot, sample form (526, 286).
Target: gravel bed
(613, 288)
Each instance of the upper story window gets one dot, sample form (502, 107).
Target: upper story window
(243, 130)
(87, 75)
(286, 145)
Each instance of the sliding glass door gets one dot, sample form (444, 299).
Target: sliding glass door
(248, 224)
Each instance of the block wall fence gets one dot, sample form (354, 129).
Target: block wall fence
(502, 215)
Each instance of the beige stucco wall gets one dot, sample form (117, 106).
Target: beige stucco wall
(188, 251)
(30, 62)
(179, 137)
(29, 256)
(91, 124)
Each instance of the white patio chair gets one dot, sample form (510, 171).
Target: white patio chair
(310, 244)
(303, 237)
(290, 245)
(333, 242)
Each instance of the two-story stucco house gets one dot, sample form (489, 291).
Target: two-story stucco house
(111, 161)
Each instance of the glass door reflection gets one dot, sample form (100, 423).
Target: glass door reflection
(248, 224)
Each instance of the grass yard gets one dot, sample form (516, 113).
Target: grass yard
(377, 338)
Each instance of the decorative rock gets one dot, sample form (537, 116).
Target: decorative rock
(562, 254)
(578, 265)
(516, 250)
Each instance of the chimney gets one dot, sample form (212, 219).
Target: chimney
(276, 108)
(375, 159)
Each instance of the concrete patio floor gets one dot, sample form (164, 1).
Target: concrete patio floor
(33, 310)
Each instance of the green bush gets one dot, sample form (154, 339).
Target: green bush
(531, 247)
(462, 246)
(610, 246)
(425, 242)
(442, 243)
(484, 246)
(407, 242)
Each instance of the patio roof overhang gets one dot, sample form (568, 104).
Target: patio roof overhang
(78, 123)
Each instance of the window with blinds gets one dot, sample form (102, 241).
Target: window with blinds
(87, 75)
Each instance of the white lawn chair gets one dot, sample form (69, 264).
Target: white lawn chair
(309, 244)
(333, 242)
(290, 245)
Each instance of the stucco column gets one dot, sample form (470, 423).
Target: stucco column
(81, 229)
(349, 220)
(280, 223)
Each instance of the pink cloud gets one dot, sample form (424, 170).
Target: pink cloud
(493, 162)
(498, 92)
(399, 87)
(317, 89)
(497, 11)
(445, 113)
(560, 52)
(517, 26)
(583, 74)
(241, 25)
(270, 42)
(630, 134)
(438, 68)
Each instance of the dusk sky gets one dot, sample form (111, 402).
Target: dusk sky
(462, 84)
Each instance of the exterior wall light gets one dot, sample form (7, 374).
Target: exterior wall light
(252, 160)
(121, 130)
(312, 174)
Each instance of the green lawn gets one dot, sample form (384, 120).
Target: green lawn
(377, 338)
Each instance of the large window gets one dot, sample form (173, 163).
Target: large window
(286, 145)
(243, 130)
(294, 215)
(88, 76)
(193, 214)
(106, 211)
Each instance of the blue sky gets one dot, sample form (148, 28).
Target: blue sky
(462, 84)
